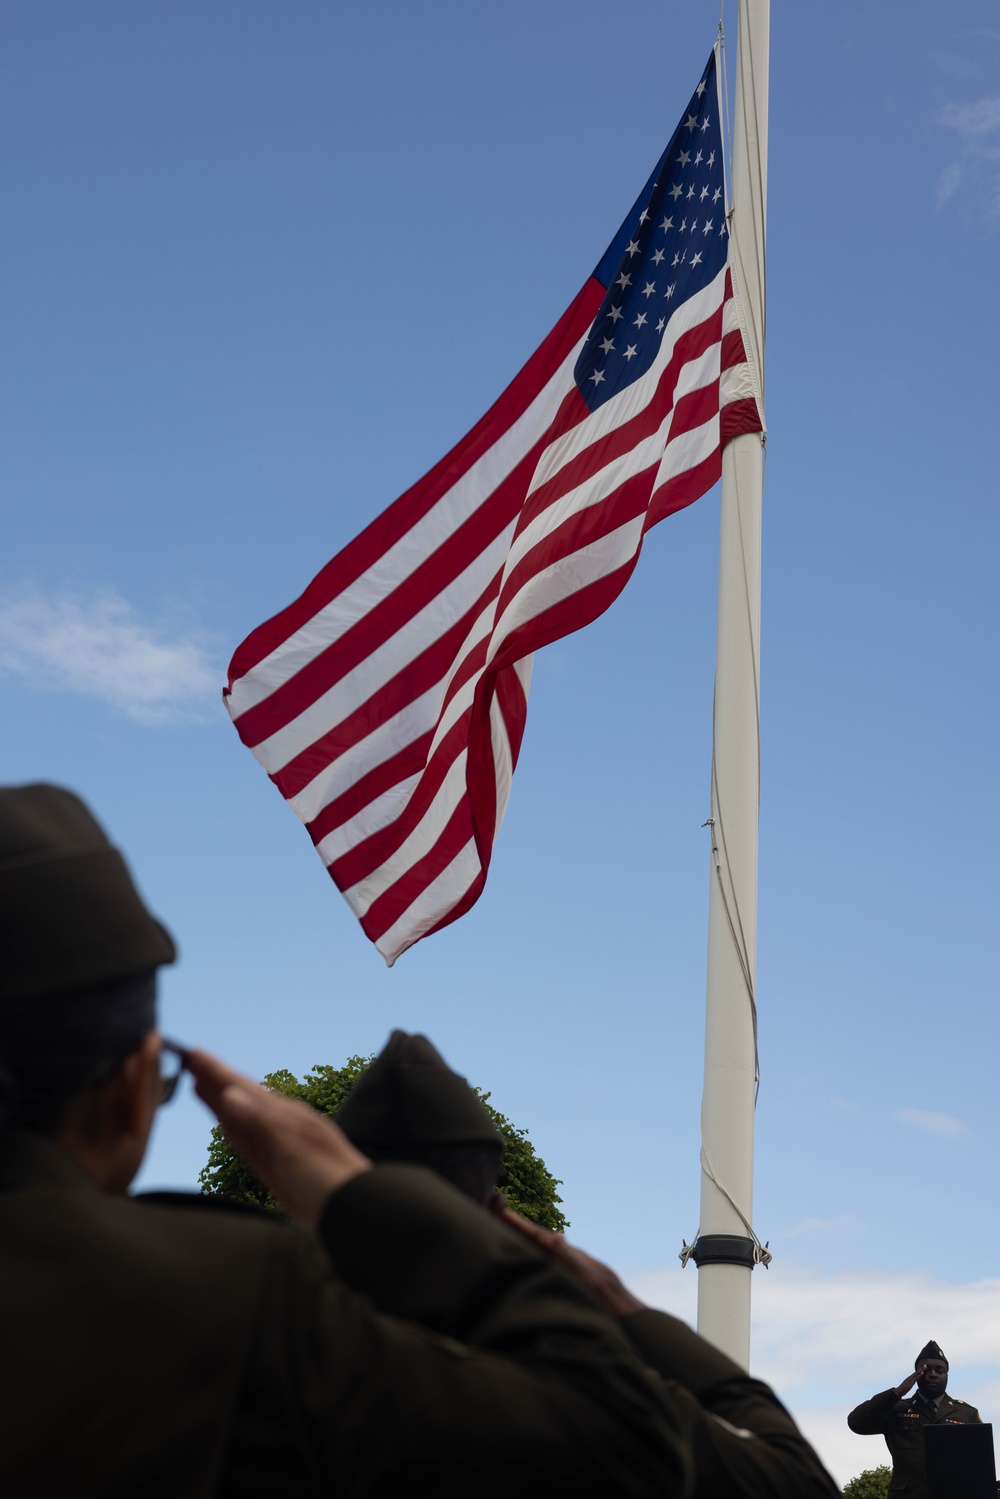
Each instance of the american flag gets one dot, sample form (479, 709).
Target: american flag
(388, 702)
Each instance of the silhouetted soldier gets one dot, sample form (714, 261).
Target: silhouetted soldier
(394, 1339)
(409, 1105)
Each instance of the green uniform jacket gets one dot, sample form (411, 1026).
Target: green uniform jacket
(746, 1445)
(154, 1349)
(902, 1424)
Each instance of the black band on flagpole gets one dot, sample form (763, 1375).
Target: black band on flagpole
(724, 1249)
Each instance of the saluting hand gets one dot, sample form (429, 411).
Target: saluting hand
(300, 1156)
(909, 1381)
(599, 1279)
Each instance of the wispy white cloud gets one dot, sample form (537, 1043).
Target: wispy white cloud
(99, 647)
(836, 1225)
(827, 1341)
(972, 121)
(976, 126)
(944, 1125)
(950, 181)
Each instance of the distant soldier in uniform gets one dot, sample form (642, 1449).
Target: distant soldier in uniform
(901, 1421)
(410, 1106)
(394, 1339)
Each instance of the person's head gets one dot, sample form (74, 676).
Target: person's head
(932, 1369)
(410, 1106)
(79, 1053)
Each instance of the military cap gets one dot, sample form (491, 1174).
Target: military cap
(409, 1097)
(70, 916)
(930, 1350)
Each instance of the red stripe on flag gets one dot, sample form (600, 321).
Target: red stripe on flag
(739, 417)
(514, 707)
(365, 857)
(585, 605)
(733, 352)
(691, 345)
(466, 903)
(684, 489)
(391, 614)
(411, 682)
(385, 911)
(381, 778)
(695, 409)
(383, 532)
(577, 531)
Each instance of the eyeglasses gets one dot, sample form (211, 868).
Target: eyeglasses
(173, 1061)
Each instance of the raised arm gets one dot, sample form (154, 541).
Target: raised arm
(871, 1417)
(745, 1441)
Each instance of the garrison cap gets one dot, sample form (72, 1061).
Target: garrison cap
(930, 1350)
(410, 1097)
(70, 916)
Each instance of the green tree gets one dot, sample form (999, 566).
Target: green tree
(873, 1483)
(227, 1175)
(525, 1180)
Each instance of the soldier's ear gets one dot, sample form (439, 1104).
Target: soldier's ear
(139, 1087)
(125, 1105)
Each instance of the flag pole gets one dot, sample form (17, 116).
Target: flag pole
(727, 1248)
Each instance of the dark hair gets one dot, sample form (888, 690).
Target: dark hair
(52, 1049)
(473, 1168)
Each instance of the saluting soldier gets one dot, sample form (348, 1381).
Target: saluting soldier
(409, 1105)
(393, 1339)
(901, 1421)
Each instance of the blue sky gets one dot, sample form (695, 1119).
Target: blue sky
(262, 266)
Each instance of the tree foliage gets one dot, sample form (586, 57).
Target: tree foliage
(325, 1088)
(525, 1180)
(873, 1483)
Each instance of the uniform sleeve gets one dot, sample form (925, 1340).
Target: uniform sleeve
(871, 1417)
(444, 1351)
(746, 1443)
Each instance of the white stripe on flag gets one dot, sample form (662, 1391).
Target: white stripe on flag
(402, 559)
(630, 402)
(432, 904)
(386, 661)
(562, 579)
(381, 744)
(378, 814)
(420, 842)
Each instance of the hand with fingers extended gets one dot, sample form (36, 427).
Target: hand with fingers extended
(600, 1280)
(778, 1462)
(299, 1155)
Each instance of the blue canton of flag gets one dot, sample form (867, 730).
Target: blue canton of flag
(672, 244)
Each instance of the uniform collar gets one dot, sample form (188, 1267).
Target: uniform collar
(31, 1160)
(935, 1404)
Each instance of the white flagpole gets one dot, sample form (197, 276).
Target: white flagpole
(726, 1248)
